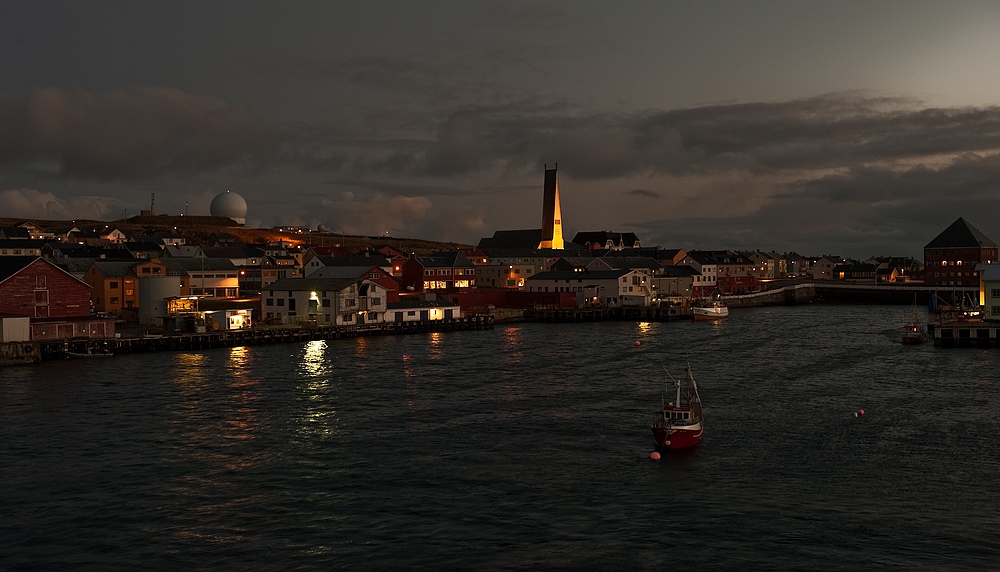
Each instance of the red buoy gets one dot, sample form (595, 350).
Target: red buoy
(637, 343)
(655, 456)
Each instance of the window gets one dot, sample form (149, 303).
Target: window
(995, 293)
(313, 303)
(129, 292)
(374, 275)
(281, 301)
(444, 272)
(326, 303)
(145, 270)
(40, 282)
(995, 310)
(114, 300)
(351, 302)
(114, 285)
(411, 313)
(270, 302)
(428, 273)
(376, 301)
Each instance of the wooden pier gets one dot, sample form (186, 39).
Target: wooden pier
(251, 337)
(965, 334)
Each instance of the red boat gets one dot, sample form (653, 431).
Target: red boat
(680, 423)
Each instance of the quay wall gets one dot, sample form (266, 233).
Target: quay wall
(15, 353)
(255, 336)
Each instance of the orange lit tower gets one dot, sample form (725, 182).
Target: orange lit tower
(552, 234)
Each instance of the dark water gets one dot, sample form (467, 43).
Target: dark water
(521, 448)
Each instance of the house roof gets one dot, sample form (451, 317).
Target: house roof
(528, 239)
(355, 272)
(118, 269)
(197, 264)
(960, 234)
(990, 272)
(300, 284)
(601, 237)
(450, 259)
(587, 275)
(11, 265)
(416, 304)
(632, 262)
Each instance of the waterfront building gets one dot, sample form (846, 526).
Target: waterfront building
(855, 272)
(422, 310)
(376, 274)
(442, 271)
(18, 247)
(56, 302)
(951, 258)
(705, 281)
(765, 266)
(734, 272)
(114, 285)
(989, 291)
(673, 282)
(822, 268)
(213, 277)
(601, 287)
(324, 301)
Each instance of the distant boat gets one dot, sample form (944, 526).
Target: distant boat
(679, 424)
(712, 308)
(914, 331)
(89, 354)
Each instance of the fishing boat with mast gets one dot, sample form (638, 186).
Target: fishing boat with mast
(914, 331)
(679, 424)
(710, 309)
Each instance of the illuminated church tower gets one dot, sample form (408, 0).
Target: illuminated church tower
(552, 235)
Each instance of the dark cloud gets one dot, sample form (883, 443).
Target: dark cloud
(835, 131)
(644, 193)
(132, 133)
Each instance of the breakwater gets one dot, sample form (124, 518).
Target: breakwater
(839, 293)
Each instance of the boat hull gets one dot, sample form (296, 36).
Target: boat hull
(708, 314)
(676, 438)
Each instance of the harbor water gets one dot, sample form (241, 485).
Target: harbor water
(525, 447)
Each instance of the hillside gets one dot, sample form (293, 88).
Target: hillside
(197, 229)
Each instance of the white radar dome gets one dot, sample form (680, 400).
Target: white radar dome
(230, 205)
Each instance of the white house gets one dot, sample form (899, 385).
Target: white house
(325, 301)
(422, 310)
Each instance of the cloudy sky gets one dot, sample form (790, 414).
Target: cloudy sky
(853, 128)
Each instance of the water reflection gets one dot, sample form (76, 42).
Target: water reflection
(314, 358)
(512, 342)
(240, 357)
(191, 370)
(435, 346)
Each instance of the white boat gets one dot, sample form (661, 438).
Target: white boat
(712, 308)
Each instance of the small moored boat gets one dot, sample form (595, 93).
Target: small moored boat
(913, 331)
(680, 423)
(712, 308)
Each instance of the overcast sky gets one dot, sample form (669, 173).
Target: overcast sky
(852, 128)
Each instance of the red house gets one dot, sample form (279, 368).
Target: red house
(57, 302)
(442, 272)
(951, 258)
